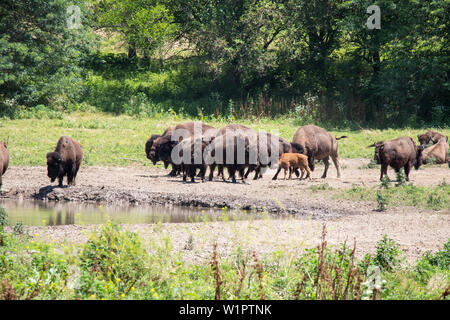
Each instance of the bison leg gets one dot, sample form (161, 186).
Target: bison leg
(407, 170)
(276, 174)
(232, 173)
(250, 169)
(290, 173)
(336, 164)
(257, 173)
(383, 171)
(192, 171)
(211, 172)
(326, 162)
(185, 172)
(60, 181)
(296, 172)
(303, 172)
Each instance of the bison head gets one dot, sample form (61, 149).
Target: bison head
(297, 148)
(55, 166)
(378, 148)
(310, 155)
(148, 147)
(419, 157)
(424, 139)
(162, 148)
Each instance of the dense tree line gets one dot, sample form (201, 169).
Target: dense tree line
(317, 58)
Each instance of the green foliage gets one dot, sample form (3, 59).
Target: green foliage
(116, 264)
(382, 200)
(387, 256)
(41, 59)
(401, 178)
(3, 218)
(315, 61)
(18, 228)
(436, 198)
(386, 182)
(111, 263)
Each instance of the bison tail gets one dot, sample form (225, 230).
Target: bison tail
(343, 137)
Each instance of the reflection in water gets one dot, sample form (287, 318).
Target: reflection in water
(38, 213)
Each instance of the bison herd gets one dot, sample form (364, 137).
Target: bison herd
(191, 148)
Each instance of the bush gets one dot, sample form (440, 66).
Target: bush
(111, 263)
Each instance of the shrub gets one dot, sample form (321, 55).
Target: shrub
(111, 262)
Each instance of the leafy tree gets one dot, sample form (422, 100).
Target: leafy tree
(40, 57)
(145, 24)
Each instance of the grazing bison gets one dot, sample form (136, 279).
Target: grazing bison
(232, 150)
(162, 147)
(319, 145)
(432, 136)
(272, 150)
(293, 161)
(236, 129)
(65, 160)
(398, 153)
(191, 153)
(438, 151)
(4, 160)
(154, 158)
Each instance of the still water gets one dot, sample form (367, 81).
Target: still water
(40, 213)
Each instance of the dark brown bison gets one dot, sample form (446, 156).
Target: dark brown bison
(233, 129)
(191, 154)
(270, 149)
(4, 160)
(233, 151)
(162, 147)
(398, 153)
(154, 158)
(319, 145)
(65, 160)
(430, 136)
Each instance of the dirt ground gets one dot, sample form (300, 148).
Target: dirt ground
(417, 230)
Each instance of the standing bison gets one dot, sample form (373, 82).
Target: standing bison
(398, 153)
(4, 160)
(153, 157)
(319, 145)
(64, 161)
(161, 148)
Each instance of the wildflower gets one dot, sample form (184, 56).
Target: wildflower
(122, 295)
(152, 290)
(132, 289)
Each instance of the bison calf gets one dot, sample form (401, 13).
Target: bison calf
(65, 160)
(4, 160)
(294, 161)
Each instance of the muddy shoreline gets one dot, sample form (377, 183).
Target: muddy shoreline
(416, 229)
(152, 186)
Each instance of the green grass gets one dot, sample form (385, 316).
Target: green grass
(119, 140)
(436, 198)
(117, 264)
